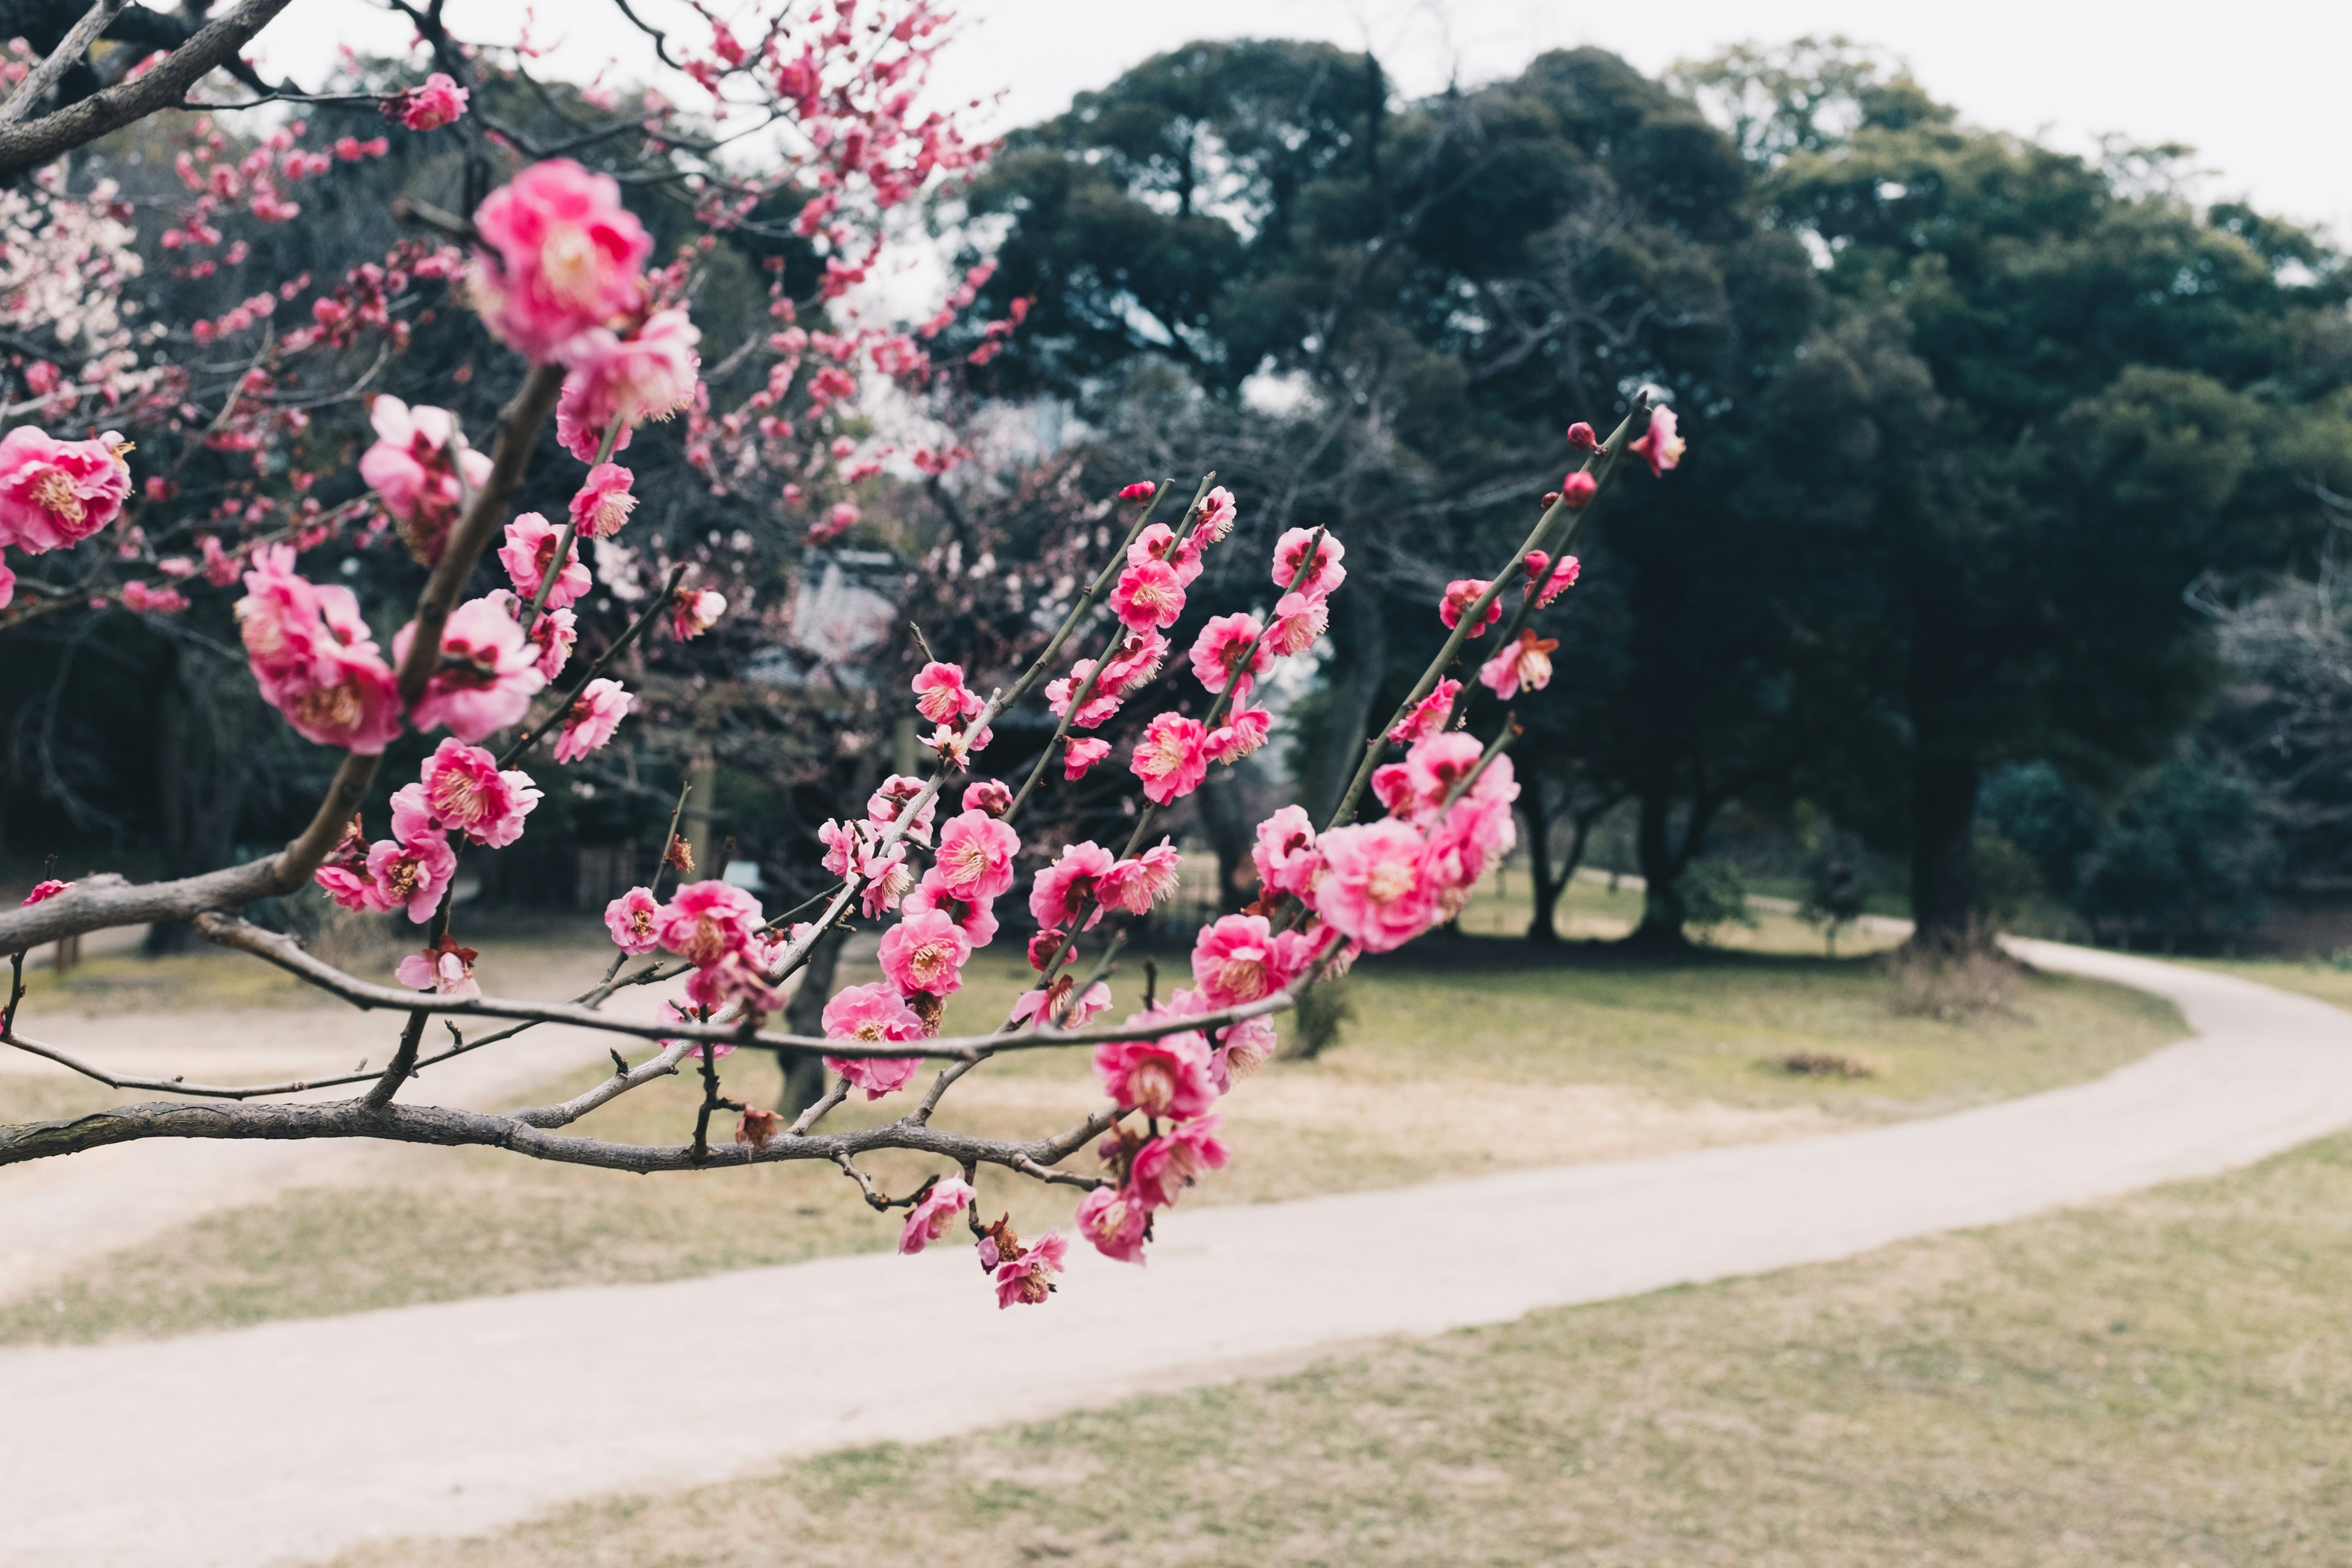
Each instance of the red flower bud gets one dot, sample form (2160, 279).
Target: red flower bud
(1551, 499)
(1580, 436)
(1578, 489)
(1141, 491)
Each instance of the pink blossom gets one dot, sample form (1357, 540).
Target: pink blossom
(415, 466)
(1080, 756)
(1227, 645)
(1580, 436)
(975, 916)
(1166, 1077)
(693, 612)
(735, 977)
(591, 719)
(929, 1218)
(670, 1012)
(1286, 858)
(138, 597)
(487, 676)
(873, 1013)
(1563, 577)
(55, 493)
(838, 521)
(884, 876)
(1142, 490)
(1241, 733)
(925, 951)
(1114, 1219)
(560, 256)
(1100, 705)
(1473, 838)
(1216, 513)
(1137, 661)
(1134, 886)
(1159, 543)
(7, 585)
(555, 634)
(1248, 1046)
(1241, 959)
(603, 502)
(461, 789)
(976, 854)
(428, 108)
(1428, 716)
(43, 890)
(1374, 890)
(990, 795)
(412, 875)
(1461, 594)
(1298, 622)
(941, 694)
(1661, 445)
(841, 844)
(1028, 1278)
(1577, 489)
(529, 551)
(1148, 597)
(313, 658)
(650, 377)
(888, 802)
(1063, 1005)
(1069, 885)
(1175, 1160)
(1290, 561)
(1435, 765)
(447, 970)
(631, 919)
(1172, 758)
(704, 921)
(1525, 663)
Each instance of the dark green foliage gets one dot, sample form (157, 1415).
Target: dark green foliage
(2188, 858)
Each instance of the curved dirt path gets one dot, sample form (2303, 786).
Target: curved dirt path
(294, 1441)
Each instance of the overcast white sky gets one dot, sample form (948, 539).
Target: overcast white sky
(2261, 90)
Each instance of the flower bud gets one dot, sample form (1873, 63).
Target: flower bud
(1577, 490)
(1580, 436)
(1142, 490)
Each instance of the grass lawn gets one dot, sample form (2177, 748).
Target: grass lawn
(1590, 1053)
(2162, 1379)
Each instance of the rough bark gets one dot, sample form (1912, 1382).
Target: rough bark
(1945, 899)
(1662, 861)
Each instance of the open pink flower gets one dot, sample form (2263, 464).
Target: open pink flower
(1435, 765)
(1217, 513)
(1374, 890)
(1461, 594)
(976, 917)
(1230, 644)
(1241, 733)
(1148, 597)
(414, 467)
(1299, 622)
(1547, 586)
(704, 921)
(601, 508)
(489, 673)
(591, 719)
(1324, 575)
(1099, 705)
(7, 585)
(1029, 1279)
(439, 102)
(447, 969)
(529, 551)
(884, 876)
(1069, 885)
(634, 920)
(1137, 661)
(314, 659)
(926, 952)
(138, 597)
(1471, 840)
(55, 493)
(669, 1012)
(461, 789)
(1661, 445)
(1175, 1160)
(648, 375)
(1079, 756)
(1428, 716)
(553, 635)
(941, 696)
(1166, 1077)
(1524, 663)
(1064, 1006)
(1241, 958)
(1159, 543)
(1134, 886)
(1248, 1046)
(412, 876)
(1113, 1219)
(694, 611)
(889, 800)
(976, 854)
(873, 1013)
(990, 795)
(559, 255)
(1172, 758)
(1285, 854)
(938, 1209)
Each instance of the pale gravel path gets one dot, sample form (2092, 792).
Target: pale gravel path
(296, 1440)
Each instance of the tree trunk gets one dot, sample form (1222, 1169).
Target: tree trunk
(1361, 631)
(1541, 930)
(1662, 868)
(804, 1015)
(1945, 903)
(1226, 821)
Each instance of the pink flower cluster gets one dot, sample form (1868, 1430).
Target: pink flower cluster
(421, 470)
(489, 669)
(313, 658)
(460, 790)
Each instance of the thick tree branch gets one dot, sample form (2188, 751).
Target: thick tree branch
(68, 52)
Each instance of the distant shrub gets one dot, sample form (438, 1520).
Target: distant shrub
(1713, 894)
(2188, 859)
(1315, 1023)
